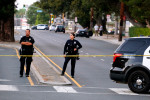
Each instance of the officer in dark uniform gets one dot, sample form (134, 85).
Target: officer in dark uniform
(71, 48)
(26, 49)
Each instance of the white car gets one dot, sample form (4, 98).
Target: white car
(42, 27)
(52, 27)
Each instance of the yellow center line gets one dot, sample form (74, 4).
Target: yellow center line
(58, 67)
(29, 78)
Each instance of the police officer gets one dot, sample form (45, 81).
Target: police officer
(71, 48)
(26, 49)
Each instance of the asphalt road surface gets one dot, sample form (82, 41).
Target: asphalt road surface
(92, 73)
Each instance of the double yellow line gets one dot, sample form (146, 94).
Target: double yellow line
(58, 67)
(43, 55)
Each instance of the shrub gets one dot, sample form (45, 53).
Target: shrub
(138, 31)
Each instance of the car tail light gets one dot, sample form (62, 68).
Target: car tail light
(116, 55)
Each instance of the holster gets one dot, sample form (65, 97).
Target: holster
(20, 51)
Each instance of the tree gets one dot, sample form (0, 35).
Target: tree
(42, 18)
(32, 14)
(81, 9)
(20, 13)
(138, 12)
(7, 20)
(55, 6)
(102, 8)
(34, 17)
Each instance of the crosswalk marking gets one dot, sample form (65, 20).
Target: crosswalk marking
(8, 88)
(4, 80)
(64, 89)
(123, 91)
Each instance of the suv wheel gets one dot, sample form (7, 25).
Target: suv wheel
(87, 36)
(139, 82)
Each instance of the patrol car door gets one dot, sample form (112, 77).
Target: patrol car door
(146, 58)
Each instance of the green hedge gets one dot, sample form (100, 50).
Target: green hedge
(137, 31)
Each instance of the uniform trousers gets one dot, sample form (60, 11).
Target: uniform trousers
(26, 60)
(73, 62)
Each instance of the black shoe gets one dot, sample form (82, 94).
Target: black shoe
(27, 75)
(78, 58)
(72, 76)
(21, 75)
(62, 74)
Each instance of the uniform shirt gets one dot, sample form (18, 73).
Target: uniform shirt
(101, 28)
(70, 46)
(96, 28)
(26, 48)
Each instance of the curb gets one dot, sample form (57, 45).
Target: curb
(108, 41)
(40, 79)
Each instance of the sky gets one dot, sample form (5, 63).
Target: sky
(22, 2)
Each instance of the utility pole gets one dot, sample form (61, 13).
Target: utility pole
(50, 18)
(121, 21)
(91, 19)
(76, 20)
(63, 17)
(116, 25)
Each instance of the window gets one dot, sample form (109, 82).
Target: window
(131, 46)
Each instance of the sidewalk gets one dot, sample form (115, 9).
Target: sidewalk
(41, 68)
(69, 31)
(109, 38)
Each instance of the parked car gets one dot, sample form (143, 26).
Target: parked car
(52, 27)
(60, 28)
(111, 32)
(81, 33)
(90, 33)
(131, 64)
(42, 27)
(34, 27)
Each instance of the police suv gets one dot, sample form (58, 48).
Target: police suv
(131, 64)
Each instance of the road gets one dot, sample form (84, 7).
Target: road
(92, 73)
